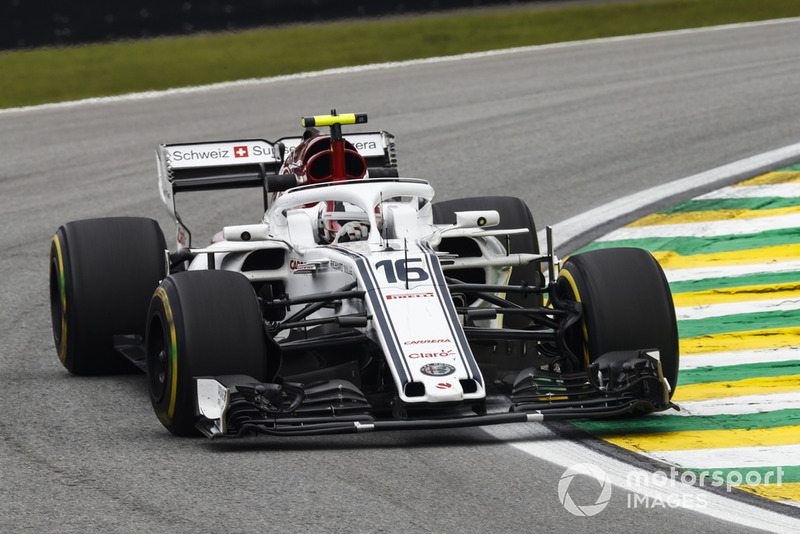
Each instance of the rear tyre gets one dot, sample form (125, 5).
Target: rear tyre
(200, 323)
(102, 275)
(514, 213)
(627, 305)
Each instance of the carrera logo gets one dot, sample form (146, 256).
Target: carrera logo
(296, 264)
(440, 354)
(409, 296)
(365, 145)
(240, 151)
(426, 342)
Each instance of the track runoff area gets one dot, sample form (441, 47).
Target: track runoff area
(732, 258)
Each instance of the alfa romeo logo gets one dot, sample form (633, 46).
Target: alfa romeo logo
(437, 369)
(587, 510)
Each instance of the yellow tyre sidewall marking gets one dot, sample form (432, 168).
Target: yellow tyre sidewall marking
(173, 356)
(568, 277)
(62, 350)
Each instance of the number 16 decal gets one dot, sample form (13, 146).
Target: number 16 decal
(402, 270)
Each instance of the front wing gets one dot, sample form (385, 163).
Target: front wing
(617, 383)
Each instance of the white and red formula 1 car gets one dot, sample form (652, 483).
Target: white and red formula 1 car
(357, 303)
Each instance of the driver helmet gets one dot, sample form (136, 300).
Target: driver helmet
(341, 222)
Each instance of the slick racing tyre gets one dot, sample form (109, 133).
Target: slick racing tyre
(102, 275)
(514, 213)
(200, 323)
(626, 303)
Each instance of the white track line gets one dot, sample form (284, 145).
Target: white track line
(744, 168)
(747, 457)
(392, 65)
(691, 313)
(731, 271)
(542, 443)
(722, 359)
(790, 190)
(708, 228)
(569, 453)
(746, 404)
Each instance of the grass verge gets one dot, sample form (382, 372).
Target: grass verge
(60, 74)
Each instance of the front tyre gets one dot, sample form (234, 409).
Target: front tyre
(200, 323)
(626, 303)
(102, 275)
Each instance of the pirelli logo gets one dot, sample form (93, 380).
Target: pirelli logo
(410, 296)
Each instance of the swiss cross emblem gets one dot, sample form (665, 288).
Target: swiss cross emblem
(240, 151)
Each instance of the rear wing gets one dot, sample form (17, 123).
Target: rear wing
(247, 163)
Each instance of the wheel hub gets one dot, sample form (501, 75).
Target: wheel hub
(157, 371)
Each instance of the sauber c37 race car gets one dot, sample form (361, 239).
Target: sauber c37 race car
(357, 303)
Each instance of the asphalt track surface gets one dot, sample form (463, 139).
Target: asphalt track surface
(565, 128)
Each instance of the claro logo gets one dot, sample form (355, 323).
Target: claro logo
(437, 354)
